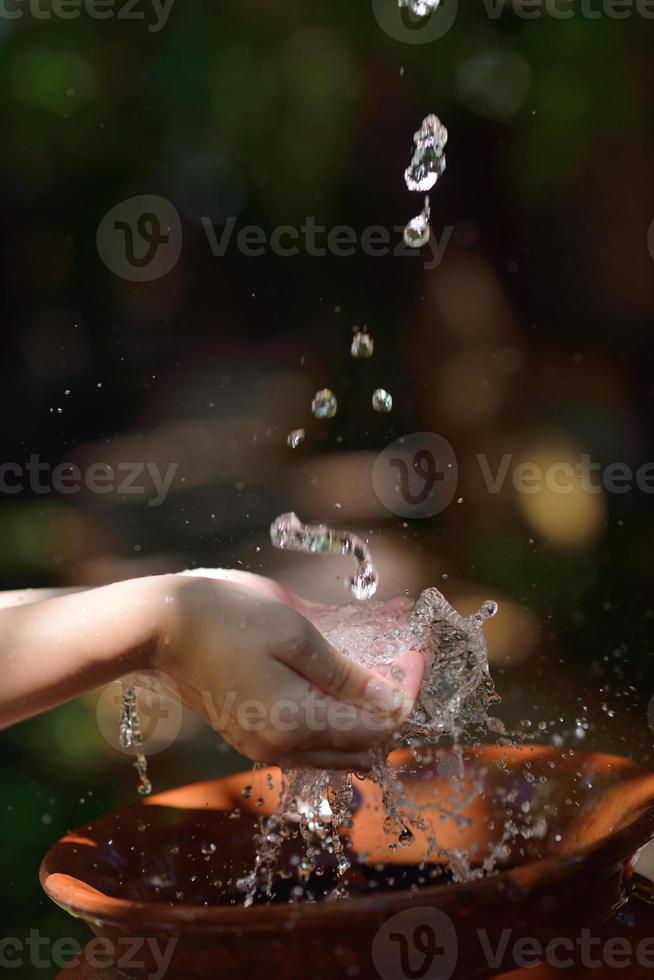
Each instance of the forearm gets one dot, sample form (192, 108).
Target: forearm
(54, 650)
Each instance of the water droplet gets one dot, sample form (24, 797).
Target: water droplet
(382, 401)
(343, 865)
(246, 792)
(420, 7)
(363, 345)
(405, 838)
(428, 162)
(324, 404)
(296, 438)
(208, 849)
(418, 231)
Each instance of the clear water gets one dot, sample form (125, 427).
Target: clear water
(456, 694)
(428, 162)
(418, 230)
(288, 533)
(131, 737)
(382, 401)
(420, 7)
(324, 404)
(363, 346)
(295, 438)
(427, 165)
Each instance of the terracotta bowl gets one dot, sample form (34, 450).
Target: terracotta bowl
(166, 868)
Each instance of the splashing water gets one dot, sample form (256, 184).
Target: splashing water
(288, 533)
(131, 737)
(455, 696)
(454, 699)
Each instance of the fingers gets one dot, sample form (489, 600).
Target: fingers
(408, 672)
(344, 679)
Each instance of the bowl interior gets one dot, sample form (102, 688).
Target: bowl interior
(511, 806)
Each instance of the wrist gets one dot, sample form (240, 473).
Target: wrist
(137, 612)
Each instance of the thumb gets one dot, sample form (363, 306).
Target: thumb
(346, 680)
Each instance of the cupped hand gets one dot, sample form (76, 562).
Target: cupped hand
(244, 656)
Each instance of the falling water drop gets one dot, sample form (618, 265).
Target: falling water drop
(382, 401)
(418, 231)
(428, 162)
(296, 438)
(363, 345)
(420, 7)
(324, 404)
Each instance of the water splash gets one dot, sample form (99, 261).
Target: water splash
(288, 533)
(456, 694)
(131, 737)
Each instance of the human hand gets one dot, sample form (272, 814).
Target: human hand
(245, 658)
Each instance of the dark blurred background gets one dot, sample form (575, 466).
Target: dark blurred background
(532, 337)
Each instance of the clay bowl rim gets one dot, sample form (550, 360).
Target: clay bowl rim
(82, 900)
